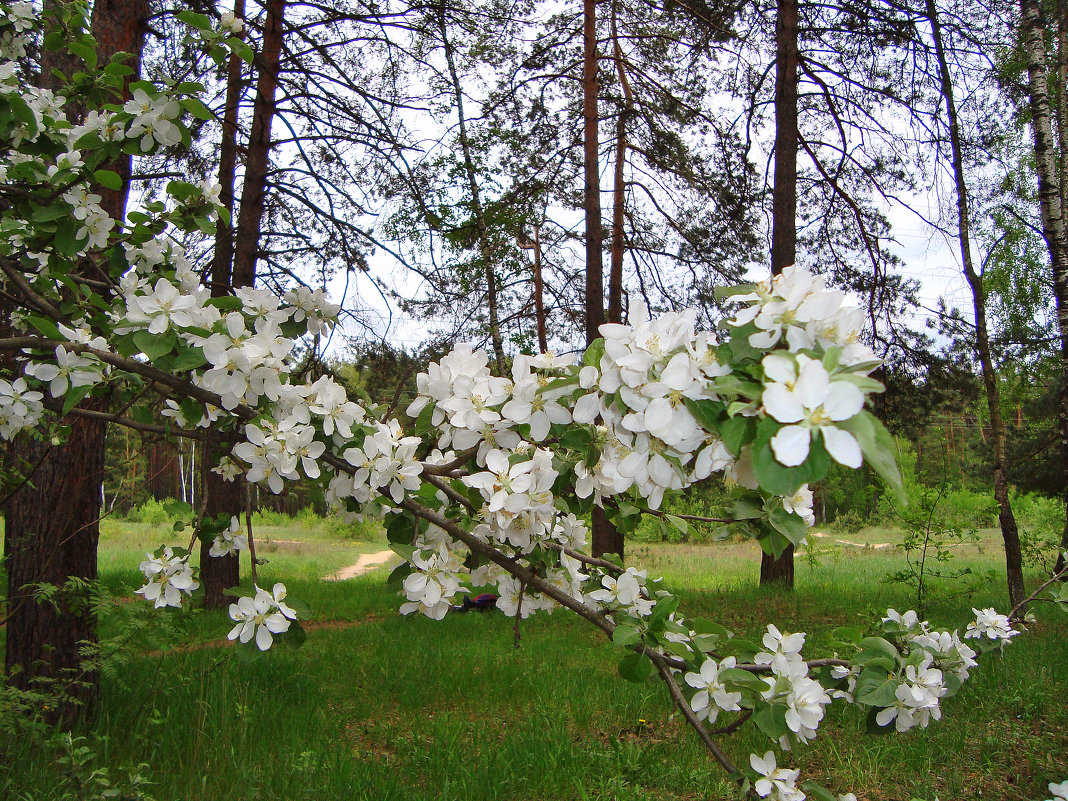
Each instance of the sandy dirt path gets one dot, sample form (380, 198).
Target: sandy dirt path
(365, 564)
(874, 545)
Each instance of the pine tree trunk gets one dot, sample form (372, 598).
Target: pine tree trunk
(254, 190)
(592, 172)
(234, 264)
(615, 270)
(52, 520)
(163, 480)
(605, 537)
(51, 535)
(784, 205)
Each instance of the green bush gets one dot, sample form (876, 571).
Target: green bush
(151, 512)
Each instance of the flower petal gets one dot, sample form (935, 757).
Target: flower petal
(842, 446)
(790, 445)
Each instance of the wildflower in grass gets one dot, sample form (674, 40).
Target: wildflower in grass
(1060, 791)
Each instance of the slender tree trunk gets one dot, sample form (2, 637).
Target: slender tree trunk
(254, 190)
(1009, 532)
(605, 537)
(539, 293)
(224, 232)
(484, 249)
(615, 272)
(234, 263)
(784, 204)
(592, 171)
(1051, 204)
(52, 520)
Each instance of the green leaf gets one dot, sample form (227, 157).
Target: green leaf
(195, 20)
(176, 508)
(188, 359)
(155, 345)
(191, 410)
(680, 524)
(85, 50)
(709, 414)
(576, 437)
(817, 792)
(109, 179)
(847, 634)
(401, 530)
(44, 325)
(56, 211)
(293, 637)
(879, 449)
(776, 477)
(225, 303)
(771, 720)
(300, 606)
(872, 725)
(74, 396)
(593, 353)
(743, 679)
(747, 509)
(181, 190)
(743, 650)
(662, 611)
(864, 383)
(725, 292)
(624, 636)
(705, 626)
(734, 385)
(788, 524)
(875, 687)
(405, 552)
(243, 51)
(736, 432)
(636, 667)
(195, 107)
(66, 240)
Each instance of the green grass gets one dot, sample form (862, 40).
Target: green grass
(378, 706)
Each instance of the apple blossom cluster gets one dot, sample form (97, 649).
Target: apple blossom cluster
(489, 481)
(263, 615)
(20, 407)
(168, 575)
(990, 625)
(230, 541)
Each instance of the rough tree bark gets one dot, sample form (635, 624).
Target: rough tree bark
(615, 270)
(605, 537)
(784, 204)
(1009, 532)
(163, 480)
(52, 519)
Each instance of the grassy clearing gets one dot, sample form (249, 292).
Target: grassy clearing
(376, 706)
